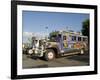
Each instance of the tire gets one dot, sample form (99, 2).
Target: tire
(49, 55)
(82, 51)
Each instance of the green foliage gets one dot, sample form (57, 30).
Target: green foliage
(85, 27)
(53, 33)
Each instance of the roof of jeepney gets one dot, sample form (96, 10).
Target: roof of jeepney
(74, 34)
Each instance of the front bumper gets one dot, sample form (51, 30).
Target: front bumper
(35, 52)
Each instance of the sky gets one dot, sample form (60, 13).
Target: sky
(36, 21)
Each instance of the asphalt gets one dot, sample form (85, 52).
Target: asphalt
(66, 61)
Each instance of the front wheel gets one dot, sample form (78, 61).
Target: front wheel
(49, 55)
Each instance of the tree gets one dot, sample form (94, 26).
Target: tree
(53, 33)
(85, 27)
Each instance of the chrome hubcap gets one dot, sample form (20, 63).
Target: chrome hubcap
(50, 55)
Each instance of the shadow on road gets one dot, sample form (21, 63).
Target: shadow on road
(32, 57)
(35, 57)
(38, 66)
(82, 58)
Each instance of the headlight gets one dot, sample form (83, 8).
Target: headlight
(23, 46)
(30, 51)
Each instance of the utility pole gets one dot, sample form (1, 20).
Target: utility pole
(67, 28)
(47, 32)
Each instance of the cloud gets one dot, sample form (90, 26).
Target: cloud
(37, 34)
(28, 35)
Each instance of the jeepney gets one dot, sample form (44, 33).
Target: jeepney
(65, 43)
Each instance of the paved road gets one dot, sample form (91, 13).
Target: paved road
(73, 60)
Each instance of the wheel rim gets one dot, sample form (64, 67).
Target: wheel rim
(50, 55)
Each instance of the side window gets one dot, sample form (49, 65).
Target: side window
(79, 38)
(84, 39)
(59, 35)
(58, 38)
(73, 38)
(64, 37)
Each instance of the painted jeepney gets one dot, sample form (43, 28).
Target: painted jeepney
(65, 43)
